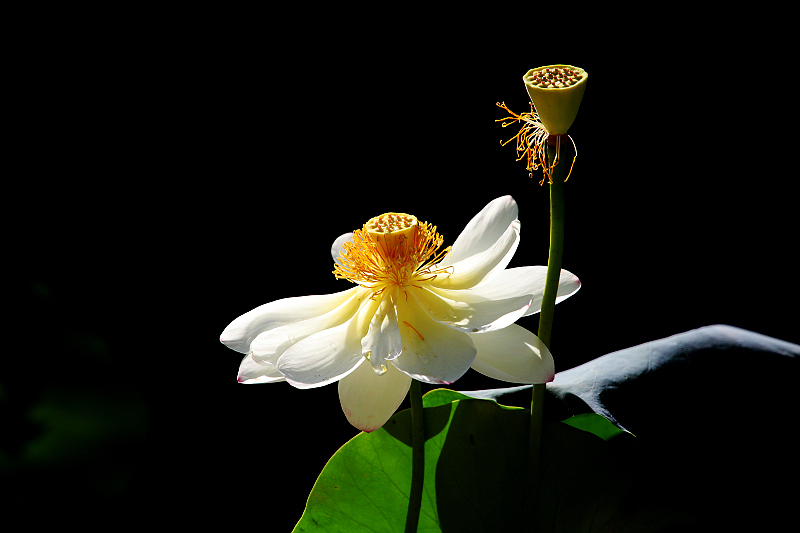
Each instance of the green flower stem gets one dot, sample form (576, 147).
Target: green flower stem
(546, 316)
(556, 246)
(417, 456)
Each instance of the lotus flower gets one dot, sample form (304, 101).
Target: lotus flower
(415, 313)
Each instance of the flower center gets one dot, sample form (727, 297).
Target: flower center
(391, 249)
(392, 229)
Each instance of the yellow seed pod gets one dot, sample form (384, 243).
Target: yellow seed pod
(556, 91)
(392, 229)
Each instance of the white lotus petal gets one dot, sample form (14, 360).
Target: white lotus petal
(481, 266)
(329, 355)
(515, 282)
(271, 344)
(568, 284)
(251, 371)
(241, 332)
(513, 354)
(369, 400)
(383, 341)
(299, 385)
(484, 229)
(338, 245)
(432, 352)
(468, 311)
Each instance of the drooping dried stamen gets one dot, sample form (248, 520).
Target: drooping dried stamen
(392, 249)
(531, 141)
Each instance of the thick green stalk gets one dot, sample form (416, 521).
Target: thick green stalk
(546, 319)
(556, 247)
(417, 456)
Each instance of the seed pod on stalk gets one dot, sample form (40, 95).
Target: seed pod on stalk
(556, 92)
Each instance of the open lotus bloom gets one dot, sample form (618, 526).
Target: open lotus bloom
(415, 313)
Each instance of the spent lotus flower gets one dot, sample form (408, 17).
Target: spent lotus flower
(416, 312)
(556, 92)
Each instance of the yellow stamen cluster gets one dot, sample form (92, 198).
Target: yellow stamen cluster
(392, 249)
(531, 141)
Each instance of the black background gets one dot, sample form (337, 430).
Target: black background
(177, 175)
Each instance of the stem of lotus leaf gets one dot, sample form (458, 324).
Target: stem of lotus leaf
(417, 457)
